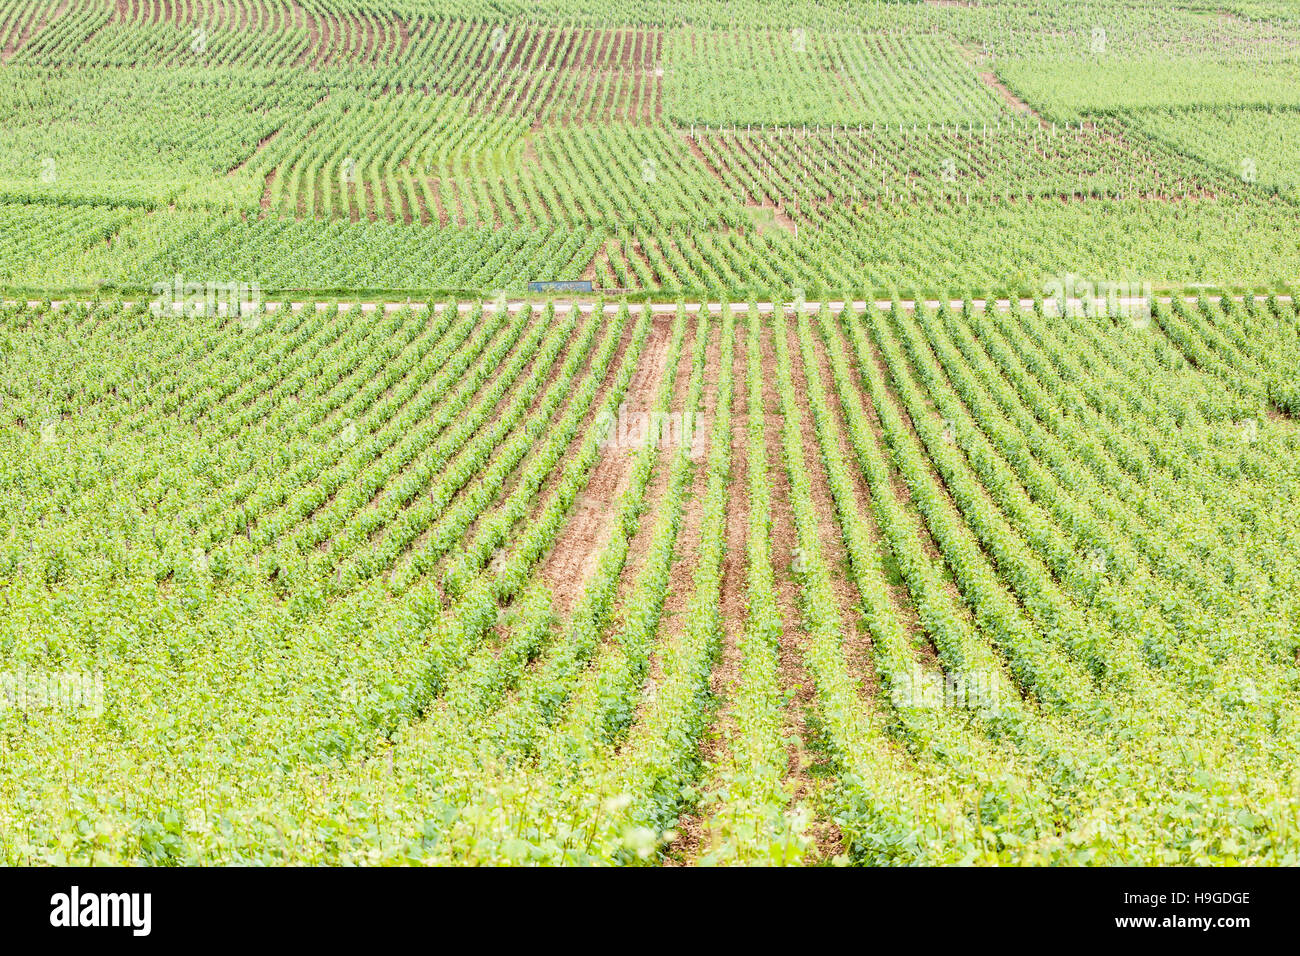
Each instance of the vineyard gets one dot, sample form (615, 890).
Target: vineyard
(655, 148)
(455, 582)
(915, 486)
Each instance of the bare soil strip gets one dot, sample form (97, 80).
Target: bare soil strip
(991, 80)
(703, 160)
(265, 203)
(601, 256)
(658, 486)
(548, 486)
(681, 584)
(262, 144)
(570, 563)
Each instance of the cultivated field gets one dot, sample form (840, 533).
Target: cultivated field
(530, 583)
(802, 539)
(712, 150)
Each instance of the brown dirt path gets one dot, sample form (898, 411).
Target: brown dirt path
(568, 566)
(807, 767)
(681, 583)
(658, 486)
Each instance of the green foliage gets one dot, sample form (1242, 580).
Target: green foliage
(946, 582)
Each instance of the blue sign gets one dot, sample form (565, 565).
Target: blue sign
(578, 286)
